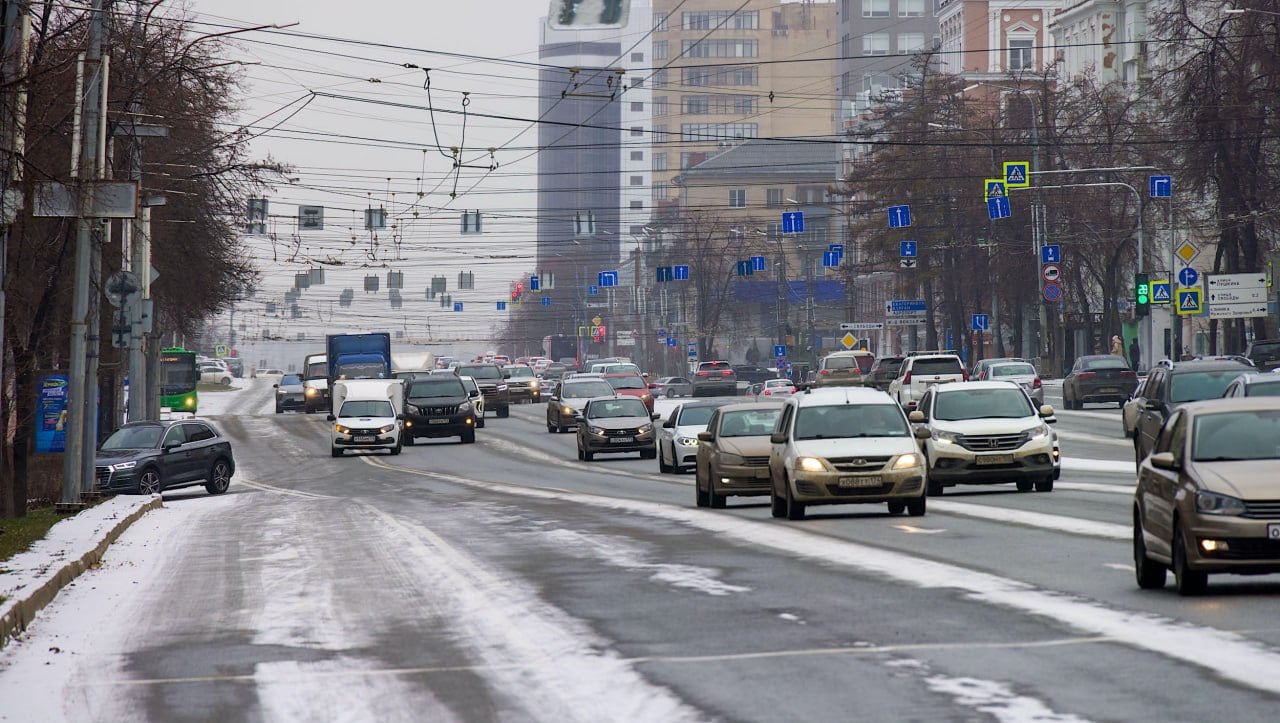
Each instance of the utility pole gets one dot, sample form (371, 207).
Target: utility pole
(85, 170)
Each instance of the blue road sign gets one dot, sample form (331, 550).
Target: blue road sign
(1017, 174)
(502, 306)
(664, 273)
(744, 268)
(1051, 254)
(998, 207)
(535, 283)
(692, 353)
(838, 248)
(593, 290)
(680, 273)
(906, 306)
(981, 322)
(1189, 302)
(1161, 293)
(607, 278)
(546, 301)
(671, 341)
(899, 216)
(1160, 186)
(907, 249)
(1052, 292)
(779, 350)
(662, 333)
(457, 306)
(757, 263)
(830, 259)
(1188, 276)
(793, 222)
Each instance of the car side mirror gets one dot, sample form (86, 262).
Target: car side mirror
(705, 436)
(473, 393)
(916, 417)
(331, 418)
(922, 432)
(655, 416)
(275, 386)
(1153, 405)
(778, 438)
(1046, 411)
(506, 375)
(1166, 461)
(170, 445)
(669, 424)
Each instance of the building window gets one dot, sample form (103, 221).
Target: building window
(1022, 54)
(721, 48)
(910, 42)
(661, 78)
(637, 57)
(875, 44)
(660, 105)
(637, 82)
(737, 198)
(719, 75)
(637, 131)
(637, 106)
(911, 8)
(637, 155)
(691, 158)
(875, 8)
(659, 50)
(660, 22)
(773, 197)
(658, 191)
(660, 132)
(737, 234)
(719, 104)
(696, 105)
(705, 132)
(637, 205)
(637, 180)
(720, 19)
(659, 161)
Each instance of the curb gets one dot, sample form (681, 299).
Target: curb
(17, 612)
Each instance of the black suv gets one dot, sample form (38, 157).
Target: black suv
(1265, 354)
(1167, 388)
(151, 457)
(714, 378)
(494, 388)
(883, 371)
(437, 405)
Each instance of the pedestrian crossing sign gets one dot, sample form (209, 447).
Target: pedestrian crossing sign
(1189, 302)
(1017, 174)
(1161, 292)
(995, 188)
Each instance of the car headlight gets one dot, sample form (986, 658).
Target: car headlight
(191, 401)
(687, 441)
(1038, 433)
(907, 461)
(387, 429)
(646, 396)
(123, 465)
(726, 458)
(646, 428)
(341, 429)
(1212, 503)
(566, 409)
(465, 407)
(598, 431)
(502, 387)
(310, 391)
(944, 437)
(810, 464)
(412, 409)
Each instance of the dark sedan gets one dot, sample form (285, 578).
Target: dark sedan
(616, 424)
(150, 457)
(1098, 378)
(289, 393)
(439, 405)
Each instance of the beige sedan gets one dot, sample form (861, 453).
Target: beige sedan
(1208, 497)
(733, 453)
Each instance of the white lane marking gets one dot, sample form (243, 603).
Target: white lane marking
(910, 529)
(1122, 489)
(1222, 653)
(1118, 566)
(1057, 523)
(1083, 464)
(264, 487)
(1068, 436)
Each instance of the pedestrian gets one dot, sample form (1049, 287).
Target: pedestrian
(1135, 353)
(1117, 347)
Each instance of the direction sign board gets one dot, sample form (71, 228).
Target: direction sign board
(1160, 186)
(680, 273)
(1189, 302)
(901, 307)
(593, 289)
(1161, 292)
(546, 301)
(993, 188)
(907, 263)
(671, 341)
(838, 248)
(981, 322)
(899, 216)
(1051, 254)
(1052, 292)
(998, 207)
(862, 326)
(904, 321)
(457, 306)
(793, 222)
(607, 278)
(1017, 174)
(1237, 281)
(907, 249)
(1188, 276)
(1051, 272)
(1237, 296)
(502, 306)
(830, 259)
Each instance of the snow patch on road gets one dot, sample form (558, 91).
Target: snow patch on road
(293, 691)
(623, 553)
(996, 700)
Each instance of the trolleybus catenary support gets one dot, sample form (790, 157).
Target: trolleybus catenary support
(179, 375)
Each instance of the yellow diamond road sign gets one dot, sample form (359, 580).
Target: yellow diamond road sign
(848, 340)
(1187, 252)
(595, 320)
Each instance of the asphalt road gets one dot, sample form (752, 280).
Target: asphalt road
(505, 580)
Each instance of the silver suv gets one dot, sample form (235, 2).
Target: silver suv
(845, 445)
(922, 370)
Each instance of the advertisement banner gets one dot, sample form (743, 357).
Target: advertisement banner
(51, 413)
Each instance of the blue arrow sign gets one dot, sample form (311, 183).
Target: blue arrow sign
(837, 248)
(680, 273)
(664, 273)
(457, 306)
(593, 290)
(793, 222)
(1051, 254)
(830, 259)
(779, 350)
(671, 341)
(546, 301)
(998, 207)
(1188, 276)
(607, 278)
(899, 216)
(907, 249)
(981, 322)
(502, 306)
(757, 263)
(534, 283)
(745, 268)
(1160, 186)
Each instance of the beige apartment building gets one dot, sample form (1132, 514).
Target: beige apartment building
(723, 74)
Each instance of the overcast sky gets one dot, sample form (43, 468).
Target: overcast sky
(363, 148)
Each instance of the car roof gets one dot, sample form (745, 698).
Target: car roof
(841, 395)
(1226, 404)
(1258, 377)
(935, 356)
(1009, 363)
(747, 406)
(988, 384)
(1205, 365)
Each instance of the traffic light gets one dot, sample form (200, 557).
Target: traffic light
(1141, 294)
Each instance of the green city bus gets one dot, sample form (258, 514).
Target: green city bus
(179, 375)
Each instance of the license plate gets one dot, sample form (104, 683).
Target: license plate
(364, 438)
(437, 421)
(762, 474)
(1273, 531)
(993, 459)
(867, 481)
(1108, 390)
(622, 440)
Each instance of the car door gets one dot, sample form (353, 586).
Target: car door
(1069, 390)
(707, 451)
(925, 407)
(667, 436)
(778, 450)
(553, 406)
(1151, 413)
(1159, 487)
(175, 458)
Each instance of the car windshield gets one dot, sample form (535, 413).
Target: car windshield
(778, 383)
(363, 370)
(749, 422)
(627, 382)
(612, 408)
(890, 365)
(1195, 386)
(957, 404)
(1226, 436)
(936, 366)
(439, 386)
(838, 421)
(695, 416)
(366, 408)
(520, 372)
(290, 380)
(480, 372)
(622, 369)
(1013, 370)
(714, 366)
(1108, 362)
(840, 362)
(1269, 388)
(140, 437)
(586, 390)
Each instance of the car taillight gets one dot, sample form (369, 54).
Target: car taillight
(1086, 375)
(725, 373)
(906, 378)
(1129, 375)
(1036, 383)
(824, 372)
(702, 374)
(964, 374)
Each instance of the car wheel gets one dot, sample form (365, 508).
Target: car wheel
(916, 507)
(1128, 433)
(795, 510)
(1137, 452)
(1119, 405)
(469, 437)
(701, 498)
(669, 393)
(663, 467)
(649, 453)
(1026, 485)
(396, 449)
(580, 456)
(551, 428)
(408, 440)
(504, 412)
(897, 507)
(1150, 574)
(1189, 582)
(219, 477)
(480, 422)
(777, 508)
(588, 455)
(335, 452)
(1045, 484)
(934, 489)
(149, 483)
(279, 409)
(714, 500)
(225, 381)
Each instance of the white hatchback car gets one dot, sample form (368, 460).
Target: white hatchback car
(845, 445)
(987, 433)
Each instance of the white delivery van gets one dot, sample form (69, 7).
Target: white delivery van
(367, 414)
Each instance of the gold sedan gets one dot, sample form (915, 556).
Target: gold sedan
(733, 453)
(1208, 496)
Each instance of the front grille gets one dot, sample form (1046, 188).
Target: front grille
(992, 442)
(442, 410)
(755, 461)
(103, 475)
(1247, 548)
(1262, 509)
(363, 432)
(835, 490)
(622, 432)
(858, 464)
